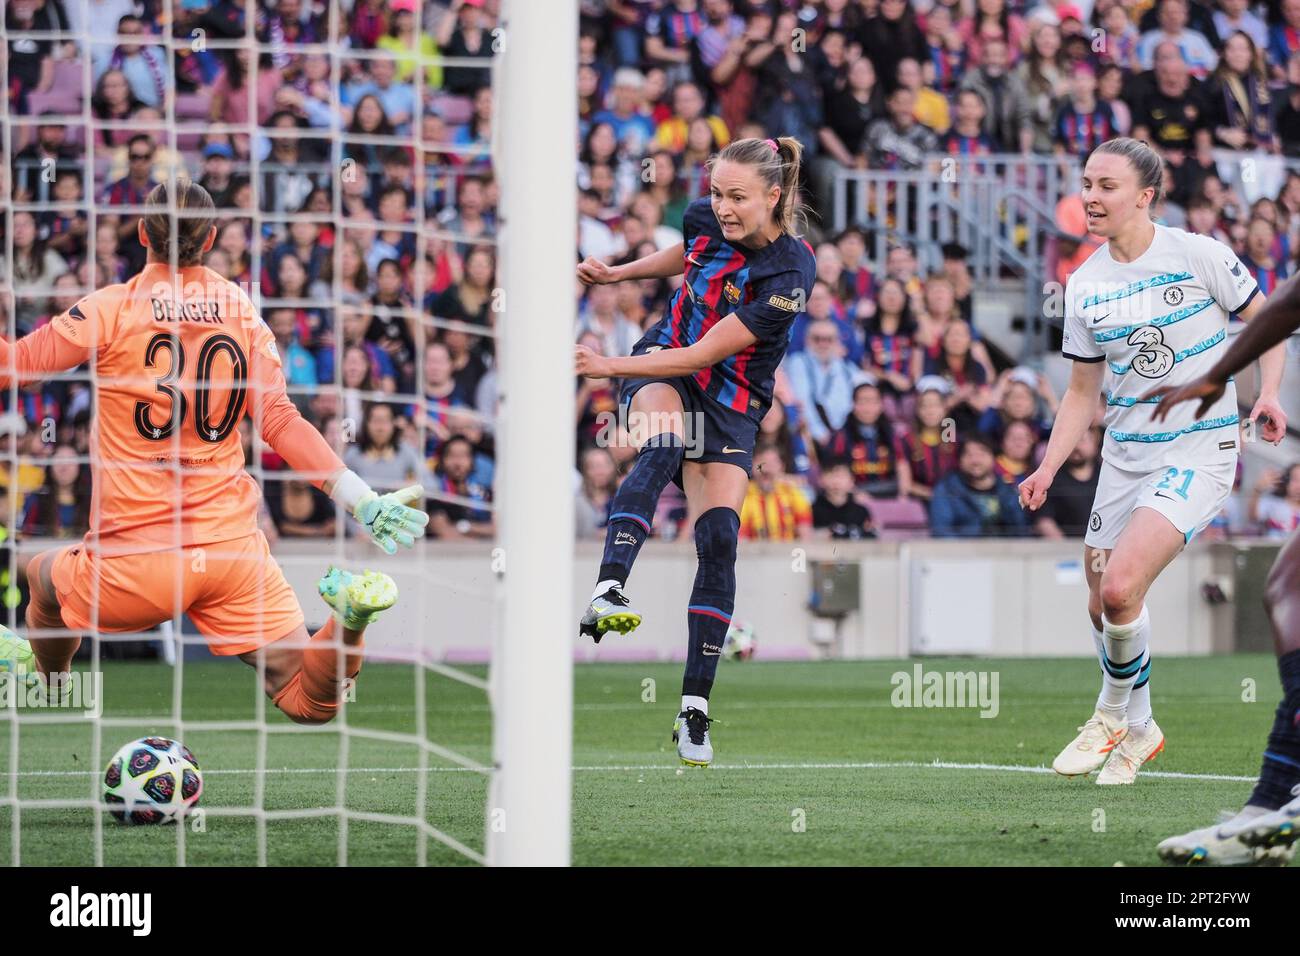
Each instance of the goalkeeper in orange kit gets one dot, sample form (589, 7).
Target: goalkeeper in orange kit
(179, 356)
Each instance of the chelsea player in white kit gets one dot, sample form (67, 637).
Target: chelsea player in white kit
(1149, 308)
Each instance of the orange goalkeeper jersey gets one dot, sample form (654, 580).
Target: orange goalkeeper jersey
(177, 359)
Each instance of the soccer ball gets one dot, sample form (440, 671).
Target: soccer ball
(740, 643)
(152, 780)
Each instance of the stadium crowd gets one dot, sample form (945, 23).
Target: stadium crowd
(357, 194)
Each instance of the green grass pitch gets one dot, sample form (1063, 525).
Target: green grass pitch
(813, 766)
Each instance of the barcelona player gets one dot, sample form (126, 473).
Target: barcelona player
(178, 357)
(695, 389)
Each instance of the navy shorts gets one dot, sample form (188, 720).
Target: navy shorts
(713, 432)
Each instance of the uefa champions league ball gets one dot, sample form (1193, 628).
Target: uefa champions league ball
(152, 780)
(741, 642)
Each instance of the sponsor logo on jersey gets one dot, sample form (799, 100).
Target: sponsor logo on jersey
(731, 292)
(1235, 266)
(1173, 295)
(781, 302)
(77, 314)
(652, 348)
(1100, 317)
(1095, 522)
(272, 349)
(1225, 445)
(728, 450)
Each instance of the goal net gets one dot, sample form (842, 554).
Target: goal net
(360, 166)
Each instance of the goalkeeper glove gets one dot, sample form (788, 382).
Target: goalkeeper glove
(390, 520)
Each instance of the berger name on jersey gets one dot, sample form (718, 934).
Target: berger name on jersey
(1159, 320)
(170, 310)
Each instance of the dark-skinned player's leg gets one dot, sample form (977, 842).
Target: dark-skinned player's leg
(715, 492)
(658, 421)
(1266, 829)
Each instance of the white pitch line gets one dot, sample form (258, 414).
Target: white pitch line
(641, 768)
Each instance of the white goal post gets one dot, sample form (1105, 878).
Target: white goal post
(532, 660)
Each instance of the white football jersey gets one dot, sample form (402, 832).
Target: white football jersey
(1159, 320)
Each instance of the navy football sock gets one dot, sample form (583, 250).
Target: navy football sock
(633, 509)
(1281, 768)
(712, 599)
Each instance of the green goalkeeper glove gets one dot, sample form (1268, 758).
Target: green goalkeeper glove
(390, 519)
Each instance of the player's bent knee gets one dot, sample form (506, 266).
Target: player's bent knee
(1117, 594)
(717, 532)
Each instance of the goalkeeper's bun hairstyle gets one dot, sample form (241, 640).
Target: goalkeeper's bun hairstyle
(195, 216)
(777, 162)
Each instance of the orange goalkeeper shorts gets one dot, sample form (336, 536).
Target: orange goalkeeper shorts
(233, 591)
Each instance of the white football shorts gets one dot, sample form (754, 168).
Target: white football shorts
(1190, 496)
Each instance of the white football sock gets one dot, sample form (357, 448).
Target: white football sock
(1139, 701)
(1123, 644)
(699, 703)
(604, 586)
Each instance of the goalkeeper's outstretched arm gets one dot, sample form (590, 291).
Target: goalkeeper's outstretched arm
(393, 519)
(35, 356)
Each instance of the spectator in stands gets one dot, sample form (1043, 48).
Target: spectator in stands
(892, 34)
(1120, 41)
(823, 380)
(30, 62)
(597, 402)
(731, 49)
(1169, 111)
(688, 106)
(300, 510)
(230, 96)
(774, 509)
(113, 101)
(1015, 398)
(50, 146)
(1045, 80)
(1016, 452)
(453, 479)
(470, 218)
(789, 100)
(298, 363)
(218, 173)
(891, 339)
(873, 447)
(595, 491)
(1259, 259)
(967, 376)
(1234, 16)
(1066, 511)
(601, 317)
(397, 100)
(378, 455)
(471, 298)
(1238, 98)
(1082, 122)
(1008, 121)
(1274, 503)
(627, 115)
(931, 442)
(972, 501)
(1287, 119)
(285, 185)
(355, 319)
(1110, 87)
(287, 26)
(946, 56)
(410, 48)
(61, 508)
(967, 136)
(35, 267)
(836, 513)
(898, 141)
(931, 105)
(1284, 40)
(784, 428)
(66, 224)
(1196, 51)
(939, 309)
(368, 119)
(143, 64)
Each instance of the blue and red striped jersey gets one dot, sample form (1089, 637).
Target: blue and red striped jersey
(765, 288)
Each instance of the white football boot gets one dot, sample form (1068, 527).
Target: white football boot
(1088, 751)
(1130, 754)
